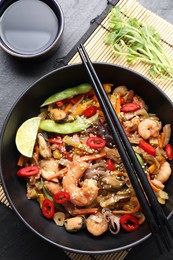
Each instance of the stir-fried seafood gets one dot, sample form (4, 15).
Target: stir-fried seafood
(76, 173)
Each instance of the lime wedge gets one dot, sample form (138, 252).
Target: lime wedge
(26, 136)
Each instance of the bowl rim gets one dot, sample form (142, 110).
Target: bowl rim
(60, 16)
(109, 251)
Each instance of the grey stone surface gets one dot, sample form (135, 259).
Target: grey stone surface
(162, 8)
(16, 76)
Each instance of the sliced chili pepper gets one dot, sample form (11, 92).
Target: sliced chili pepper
(110, 166)
(28, 171)
(95, 142)
(90, 111)
(148, 148)
(169, 151)
(61, 197)
(130, 107)
(48, 208)
(129, 223)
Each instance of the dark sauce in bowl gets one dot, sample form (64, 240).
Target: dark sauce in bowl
(28, 27)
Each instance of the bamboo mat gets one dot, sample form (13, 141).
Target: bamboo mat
(99, 52)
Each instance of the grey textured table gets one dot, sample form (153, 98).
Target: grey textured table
(17, 76)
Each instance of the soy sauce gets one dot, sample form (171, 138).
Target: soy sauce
(28, 26)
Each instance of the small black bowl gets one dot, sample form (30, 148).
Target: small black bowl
(30, 29)
(27, 106)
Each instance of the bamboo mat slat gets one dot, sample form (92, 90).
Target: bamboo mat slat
(100, 52)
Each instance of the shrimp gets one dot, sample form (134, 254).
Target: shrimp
(164, 172)
(96, 224)
(80, 196)
(148, 128)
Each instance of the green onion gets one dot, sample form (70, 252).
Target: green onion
(136, 42)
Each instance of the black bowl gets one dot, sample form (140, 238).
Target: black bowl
(30, 29)
(27, 106)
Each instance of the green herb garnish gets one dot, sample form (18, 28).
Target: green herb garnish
(137, 42)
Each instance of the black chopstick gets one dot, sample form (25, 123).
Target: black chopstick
(153, 211)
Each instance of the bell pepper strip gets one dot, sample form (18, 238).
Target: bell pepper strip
(61, 197)
(76, 99)
(147, 147)
(118, 105)
(67, 108)
(85, 211)
(28, 171)
(152, 168)
(129, 223)
(96, 142)
(60, 103)
(55, 140)
(21, 160)
(67, 93)
(58, 174)
(48, 208)
(110, 166)
(161, 140)
(78, 109)
(90, 111)
(78, 125)
(156, 189)
(92, 157)
(169, 151)
(130, 107)
(70, 101)
(68, 156)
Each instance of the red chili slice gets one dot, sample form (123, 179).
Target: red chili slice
(130, 107)
(61, 197)
(129, 223)
(90, 111)
(48, 208)
(110, 166)
(95, 142)
(28, 171)
(148, 148)
(169, 151)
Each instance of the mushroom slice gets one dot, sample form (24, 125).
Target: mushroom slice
(74, 224)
